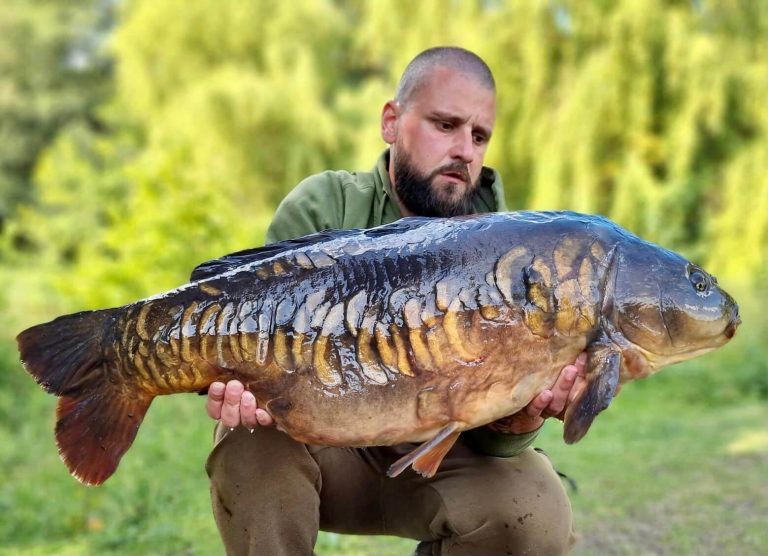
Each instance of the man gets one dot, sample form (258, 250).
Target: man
(493, 494)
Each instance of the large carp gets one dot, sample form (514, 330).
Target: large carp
(412, 331)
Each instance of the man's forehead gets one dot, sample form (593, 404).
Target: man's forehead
(438, 76)
(460, 94)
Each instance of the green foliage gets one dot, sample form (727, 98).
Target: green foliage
(628, 109)
(52, 73)
(175, 143)
(631, 110)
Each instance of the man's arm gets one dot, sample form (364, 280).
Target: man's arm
(316, 204)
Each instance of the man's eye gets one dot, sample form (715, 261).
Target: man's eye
(480, 139)
(445, 126)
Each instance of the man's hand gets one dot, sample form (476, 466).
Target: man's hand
(233, 405)
(549, 403)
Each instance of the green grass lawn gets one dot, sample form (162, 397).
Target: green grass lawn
(666, 470)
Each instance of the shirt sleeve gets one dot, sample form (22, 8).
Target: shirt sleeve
(497, 444)
(316, 204)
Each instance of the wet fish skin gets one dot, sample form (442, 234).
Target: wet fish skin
(407, 332)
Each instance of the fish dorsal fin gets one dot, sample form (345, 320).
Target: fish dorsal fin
(212, 268)
(400, 226)
(215, 267)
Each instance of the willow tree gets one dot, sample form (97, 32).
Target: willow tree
(52, 73)
(651, 112)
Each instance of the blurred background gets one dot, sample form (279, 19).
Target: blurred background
(139, 138)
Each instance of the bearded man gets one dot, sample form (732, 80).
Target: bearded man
(493, 494)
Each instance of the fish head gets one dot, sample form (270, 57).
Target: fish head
(670, 308)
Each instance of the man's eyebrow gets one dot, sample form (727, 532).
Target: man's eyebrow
(447, 116)
(454, 119)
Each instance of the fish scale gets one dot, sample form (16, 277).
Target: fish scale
(409, 332)
(425, 344)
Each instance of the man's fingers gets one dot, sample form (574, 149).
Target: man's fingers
(562, 389)
(233, 405)
(539, 404)
(581, 363)
(581, 378)
(248, 410)
(230, 410)
(569, 382)
(215, 400)
(264, 419)
(566, 379)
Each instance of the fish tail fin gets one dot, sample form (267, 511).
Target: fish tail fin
(67, 353)
(97, 420)
(93, 432)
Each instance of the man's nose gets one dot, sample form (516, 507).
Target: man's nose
(463, 147)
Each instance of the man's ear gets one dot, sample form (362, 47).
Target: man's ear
(389, 115)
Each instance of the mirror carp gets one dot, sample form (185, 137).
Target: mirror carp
(410, 332)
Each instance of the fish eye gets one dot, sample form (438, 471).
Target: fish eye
(699, 281)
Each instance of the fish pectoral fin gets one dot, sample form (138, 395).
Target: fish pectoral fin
(602, 373)
(427, 458)
(279, 407)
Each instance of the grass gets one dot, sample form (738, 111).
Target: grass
(677, 465)
(662, 476)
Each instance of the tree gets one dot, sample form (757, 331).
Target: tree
(52, 73)
(626, 108)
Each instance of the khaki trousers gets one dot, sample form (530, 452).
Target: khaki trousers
(271, 495)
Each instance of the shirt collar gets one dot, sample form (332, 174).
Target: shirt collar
(388, 211)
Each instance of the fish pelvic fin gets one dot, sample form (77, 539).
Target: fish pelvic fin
(97, 420)
(602, 373)
(427, 457)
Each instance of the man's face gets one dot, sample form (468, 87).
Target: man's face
(439, 139)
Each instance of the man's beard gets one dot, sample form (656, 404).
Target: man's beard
(417, 192)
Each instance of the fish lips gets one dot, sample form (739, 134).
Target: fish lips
(730, 329)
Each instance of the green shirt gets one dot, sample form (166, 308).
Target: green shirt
(335, 200)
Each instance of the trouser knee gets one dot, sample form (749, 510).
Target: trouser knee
(519, 506)
(264, 493)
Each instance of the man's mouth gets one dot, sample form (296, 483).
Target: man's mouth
(455, 174)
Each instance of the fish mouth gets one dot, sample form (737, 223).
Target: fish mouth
(730, 329)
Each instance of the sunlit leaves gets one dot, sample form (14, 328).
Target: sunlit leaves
(651, 112)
